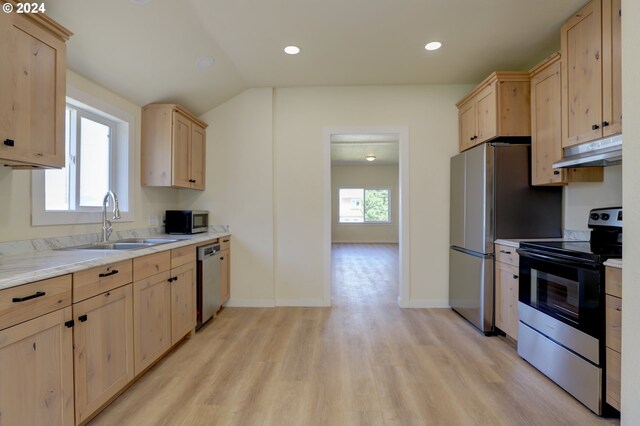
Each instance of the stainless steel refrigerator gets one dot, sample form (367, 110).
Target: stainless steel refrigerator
(492, 198)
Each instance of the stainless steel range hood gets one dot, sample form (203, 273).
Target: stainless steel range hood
(603, 152)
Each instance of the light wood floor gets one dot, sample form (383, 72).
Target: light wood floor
(362, 362)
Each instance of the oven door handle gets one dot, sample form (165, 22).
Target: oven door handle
(559, 259)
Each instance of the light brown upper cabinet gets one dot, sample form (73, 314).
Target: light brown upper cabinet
(546, 130)
(173, 147)
(33, 66)
(499, 106)
(592, 73)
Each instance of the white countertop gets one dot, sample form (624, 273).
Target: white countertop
(29, 267)
(516, 242)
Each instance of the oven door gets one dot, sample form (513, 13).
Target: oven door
(565, 289)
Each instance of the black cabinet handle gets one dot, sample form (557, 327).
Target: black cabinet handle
(108, 274)
(82, 318)
(172, 279)
(222, 258)
(595, 127)
(605, 123)
(9, 142)
(556, 172)
(33, 296)
(69, 324)
(515, 277)
(505, 252)
(192, 180)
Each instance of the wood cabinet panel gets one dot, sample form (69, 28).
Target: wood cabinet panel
(467, 125)
(197, 157)
(183, 301)
(225, 242)
(486, 114)
(614, 367)
(33, 87)
(152, 264)
(103, 349)
(36, 374)
(225, 284)
(18, 304)
(183, 255)
(91, 282)
(506, 306)
(180, 150)
(613, 314)
(507, 254)
(546, 129)
(611, 67)
(613, 281)
(151, 319)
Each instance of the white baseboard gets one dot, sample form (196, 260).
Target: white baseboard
(310, 303)
(364, 242)
(426, 303)
(250, 303)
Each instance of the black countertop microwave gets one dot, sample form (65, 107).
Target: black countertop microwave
(186, 221)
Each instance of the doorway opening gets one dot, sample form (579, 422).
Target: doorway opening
(366, 213)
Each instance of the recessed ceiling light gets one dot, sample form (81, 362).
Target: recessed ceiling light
(370, 157)
(292, 50)
(204, 62)
(434, 45)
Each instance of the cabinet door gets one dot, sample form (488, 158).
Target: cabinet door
(32, 105)
(183, 301)
(225, 285)
(486, 114)
(103, 348)
(180, 150)
(151, 319)
(546, 130)
(506, 297)
(36, 371)
(198, 157)
(467, 121)
(581, 40)
(611, 67)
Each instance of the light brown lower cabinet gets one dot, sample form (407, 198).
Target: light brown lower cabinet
(183, 301)
(506, 290)
(225, 285)
(36, 371)
(103, 348)
(613, 334)
(152, 319)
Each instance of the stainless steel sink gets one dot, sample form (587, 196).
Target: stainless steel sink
(111, 246)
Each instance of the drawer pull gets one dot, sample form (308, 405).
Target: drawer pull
(556, 172)
(33, 296)
(222, 258)
(9, 142)
(505, 251)
(619, 309)
(82, 318)
(108, 274)
(192, 180)
(172, 279)
(515, 277)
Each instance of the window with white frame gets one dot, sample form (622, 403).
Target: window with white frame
(363, 205)
(97, 153)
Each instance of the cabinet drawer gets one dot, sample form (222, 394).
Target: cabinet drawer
(183, 255)
(613, 378)
(225, 242)
(507, 254)
(146, 266)
(613, 283)
(22, 303)
(613, 312)
(97, 280)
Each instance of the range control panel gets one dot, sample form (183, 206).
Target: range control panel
(609, 216)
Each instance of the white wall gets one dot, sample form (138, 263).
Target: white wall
(580, 198)
(15, 186)
(365, 176)
(239, 191)
(301, 114)
(631, 202)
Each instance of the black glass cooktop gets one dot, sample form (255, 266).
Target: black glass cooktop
(598, 252)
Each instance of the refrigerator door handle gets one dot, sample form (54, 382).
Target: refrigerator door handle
(471, 252)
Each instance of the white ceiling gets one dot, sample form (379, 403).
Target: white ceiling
(146, 53)
(352, 149)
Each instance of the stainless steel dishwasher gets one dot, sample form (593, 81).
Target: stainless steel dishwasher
(208, 290)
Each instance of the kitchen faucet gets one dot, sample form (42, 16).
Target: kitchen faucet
(106, 225)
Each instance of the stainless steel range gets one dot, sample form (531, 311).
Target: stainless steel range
(561, 307)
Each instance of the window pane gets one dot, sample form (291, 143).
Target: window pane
(351, 205)
(56, 187)
(376, 205)
(94, 162)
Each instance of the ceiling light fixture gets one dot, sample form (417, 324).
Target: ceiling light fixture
(292, 50)
(204, 62)
(370, 157)
(434, 45)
